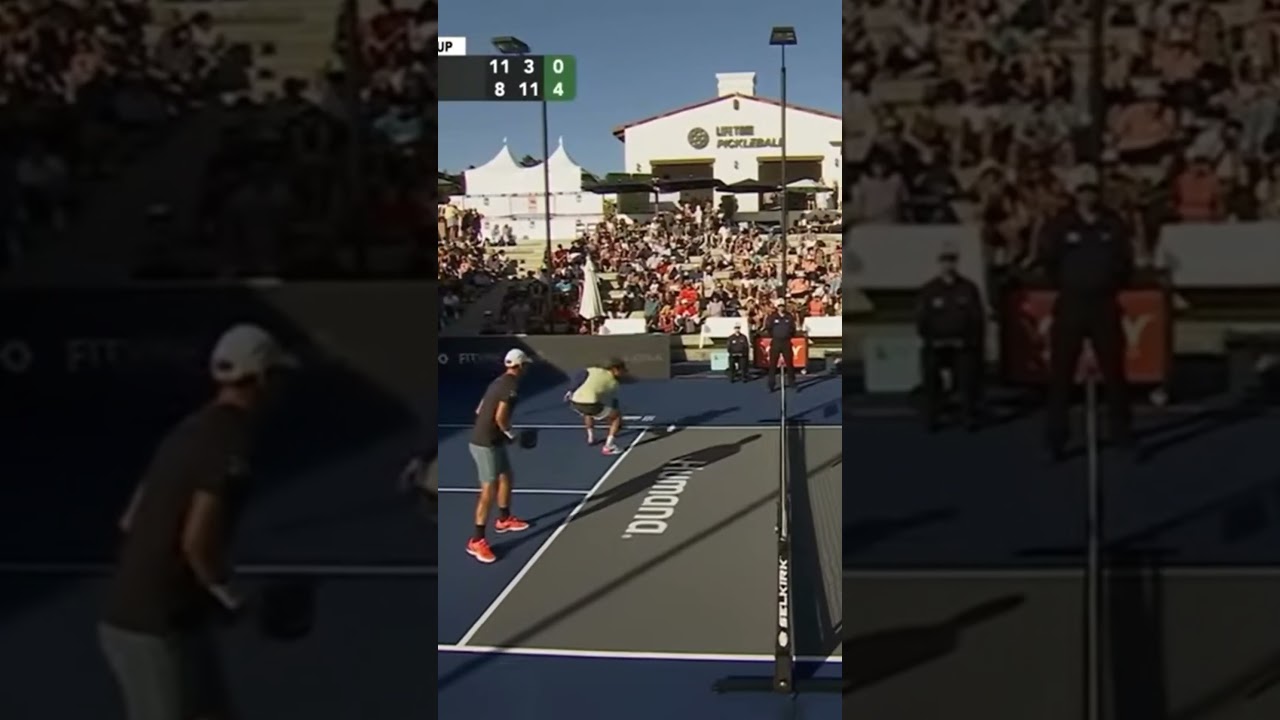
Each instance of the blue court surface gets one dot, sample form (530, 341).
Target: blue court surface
(600, 610)
(340, 523)
(963, 557)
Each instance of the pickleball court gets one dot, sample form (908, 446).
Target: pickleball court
(657, 566)
(963, 568)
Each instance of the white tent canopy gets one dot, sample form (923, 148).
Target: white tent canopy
(502, 175)
(507, 194)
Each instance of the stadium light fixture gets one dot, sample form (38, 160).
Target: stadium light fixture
(782, 35)
(511, 45)
(508, 45)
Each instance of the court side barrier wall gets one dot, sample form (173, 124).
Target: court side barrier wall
(92, 378)
(555, 356)
(904, 257)
(1229, 256)
(1197, 256)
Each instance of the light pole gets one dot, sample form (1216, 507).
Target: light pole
(508, 45)
(783, 36)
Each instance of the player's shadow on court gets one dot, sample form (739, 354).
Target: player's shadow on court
(634, 487)
(703, 418)
(865, 534)
(881, 656)
(480, 662)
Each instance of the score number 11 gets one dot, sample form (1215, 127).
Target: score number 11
(558, 82)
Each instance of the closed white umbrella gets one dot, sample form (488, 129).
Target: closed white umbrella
(592, 306)
(808, 186)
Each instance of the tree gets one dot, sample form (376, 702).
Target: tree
(729, 207)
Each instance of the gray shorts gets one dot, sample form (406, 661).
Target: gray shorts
(490, 462)
(166, 678)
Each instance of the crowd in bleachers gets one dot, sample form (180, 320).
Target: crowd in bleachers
(676, 270)
(308, 177)
(982, 111)
(297, 189)
(470, 265)
(397, 99)
(84, 88)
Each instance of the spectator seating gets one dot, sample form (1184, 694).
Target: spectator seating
(980, 114)
(280, 193)
(672, 272)
(90, 109)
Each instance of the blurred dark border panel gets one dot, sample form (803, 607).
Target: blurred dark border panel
(433, 117)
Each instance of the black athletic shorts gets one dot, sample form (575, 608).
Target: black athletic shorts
(596, 411)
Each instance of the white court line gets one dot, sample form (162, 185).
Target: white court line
(1189, 573)
(765, 427)
(622, 655)
(517, 491)
(864, 413)
(350, 571)
(493, 607)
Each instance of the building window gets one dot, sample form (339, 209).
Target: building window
(736, 104)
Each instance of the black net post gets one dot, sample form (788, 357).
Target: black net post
(784, 680)
(1093, 583)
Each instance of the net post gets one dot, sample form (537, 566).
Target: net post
(1094, 560)
(784, 681)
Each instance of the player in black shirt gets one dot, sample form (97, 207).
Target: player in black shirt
(489, 440)
(781, 326)
(1088, 256)
(173, 577)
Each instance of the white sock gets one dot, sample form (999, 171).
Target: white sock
(609, 442)
(591, 436)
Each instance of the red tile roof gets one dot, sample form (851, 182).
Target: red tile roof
(620, 131)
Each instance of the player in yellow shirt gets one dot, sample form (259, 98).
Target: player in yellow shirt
(594, 397)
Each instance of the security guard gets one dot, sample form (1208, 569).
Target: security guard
(1087, 254)
(781, 326)
(739, 348)
(950, 321)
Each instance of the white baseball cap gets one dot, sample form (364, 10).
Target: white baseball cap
(245, 351)
(515, 357)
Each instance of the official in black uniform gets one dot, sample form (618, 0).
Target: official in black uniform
(950, 320)
(781, 326)
(739, 348)
(1087, 254)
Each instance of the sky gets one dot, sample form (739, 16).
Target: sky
(635, 59)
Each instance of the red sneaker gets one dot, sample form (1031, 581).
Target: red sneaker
(510, 524)
(480, 550)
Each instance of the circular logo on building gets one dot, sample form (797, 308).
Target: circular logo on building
(698, 138)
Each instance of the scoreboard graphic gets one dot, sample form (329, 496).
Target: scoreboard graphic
(504, 78)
